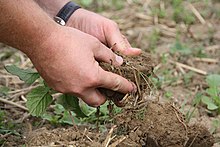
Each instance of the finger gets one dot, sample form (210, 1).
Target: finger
(114, 36)
(93, 98)
(115, 82)
(106, 55)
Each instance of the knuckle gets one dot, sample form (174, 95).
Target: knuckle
(113, 23)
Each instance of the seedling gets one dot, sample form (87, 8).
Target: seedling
(180, 13)
(153, 39)
(6, 128)
(211, 96)
(215, 125)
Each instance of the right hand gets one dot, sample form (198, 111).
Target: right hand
(104, 29)
(68, 62)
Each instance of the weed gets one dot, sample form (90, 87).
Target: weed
(4, 90)
(153, 39)
(196, 101)
(102, 5)
(168, 94)
(184, 50)
(215, 125)
(157, 81)
(158, 12)
(181, 48)
(6, 127)
(180, 13)
(211, 96)
(141, 114)
(187, 78)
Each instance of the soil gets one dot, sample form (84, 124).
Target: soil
(142, 123)
(136, 69)
(161, 125)
(150, 124)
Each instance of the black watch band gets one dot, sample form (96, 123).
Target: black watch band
(64, 14)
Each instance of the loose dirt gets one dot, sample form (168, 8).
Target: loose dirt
(142, 123)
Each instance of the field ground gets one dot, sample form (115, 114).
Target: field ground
(184, 39)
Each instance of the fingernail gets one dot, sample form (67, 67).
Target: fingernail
(119, 59)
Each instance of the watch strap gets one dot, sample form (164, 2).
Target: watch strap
(64, 14)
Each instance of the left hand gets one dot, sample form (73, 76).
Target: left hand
(105, 30)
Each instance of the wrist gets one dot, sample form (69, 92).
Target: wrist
(51, 7)
(41, 38)
(75, 18)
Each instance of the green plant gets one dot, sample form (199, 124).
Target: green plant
(185, 50)
(215, 125)
(211, 96)
(101, 5)
(187, 78)
(4, 90)
(6, 128)
(141, 114)
(181, 48)
(168, 94)
(180, 14)
(67, 107)
(160, 13)
(153, 39)
(195, 103)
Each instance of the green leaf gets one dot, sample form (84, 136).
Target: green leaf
(210, 104)
(87, 109)
(38, 100)
(26, 75)
(197, 99)
(4, 90)
(66, 119)
(58, 109)
(180, 48)
(71, 103)
(213, 92)
(213, 80)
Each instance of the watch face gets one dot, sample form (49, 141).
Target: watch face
(59, 21)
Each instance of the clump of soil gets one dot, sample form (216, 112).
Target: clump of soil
(143, 123)
(160, 125)
(136, 69)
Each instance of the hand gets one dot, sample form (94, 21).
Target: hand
(68, 62)
(105, 30)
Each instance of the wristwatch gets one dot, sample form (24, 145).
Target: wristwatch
(64, 14)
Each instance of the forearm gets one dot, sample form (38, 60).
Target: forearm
(51, 7)
(24, 25)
